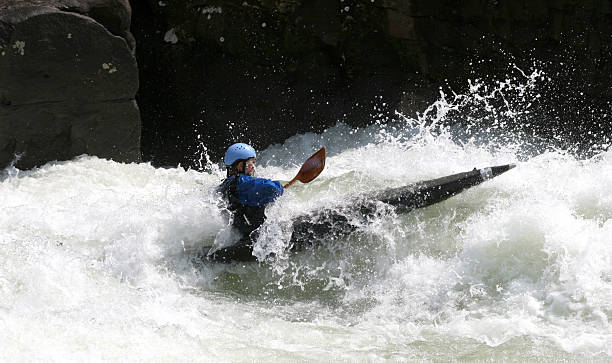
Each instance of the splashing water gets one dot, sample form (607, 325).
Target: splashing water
(101, 260)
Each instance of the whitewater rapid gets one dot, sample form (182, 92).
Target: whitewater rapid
(102, 261)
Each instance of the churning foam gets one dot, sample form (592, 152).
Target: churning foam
(101, 260)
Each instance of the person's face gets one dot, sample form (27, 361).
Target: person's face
(249, 167)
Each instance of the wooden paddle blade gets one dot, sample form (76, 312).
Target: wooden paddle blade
(312, 167)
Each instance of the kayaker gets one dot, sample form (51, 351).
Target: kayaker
(247, 198)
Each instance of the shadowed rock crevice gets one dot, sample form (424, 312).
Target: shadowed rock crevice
(256, 72)
(261, 71)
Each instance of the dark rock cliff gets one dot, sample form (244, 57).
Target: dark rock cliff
(262, 70)
(68, 78)
(213, 72)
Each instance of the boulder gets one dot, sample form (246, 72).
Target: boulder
(68, 79)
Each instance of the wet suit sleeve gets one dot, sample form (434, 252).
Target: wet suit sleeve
(258, 191)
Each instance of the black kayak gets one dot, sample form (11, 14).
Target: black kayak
(343, 220)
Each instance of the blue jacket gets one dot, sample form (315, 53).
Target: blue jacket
(255, 192)
(247, 198)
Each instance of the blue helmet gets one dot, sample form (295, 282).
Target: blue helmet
(237, 152)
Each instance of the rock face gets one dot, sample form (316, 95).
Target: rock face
(214, 72)
(260, 70)
(68, 78)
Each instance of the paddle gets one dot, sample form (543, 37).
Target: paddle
(310, 169)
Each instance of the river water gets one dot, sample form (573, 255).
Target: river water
(102, 261)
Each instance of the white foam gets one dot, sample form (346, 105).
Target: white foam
(99, 260)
